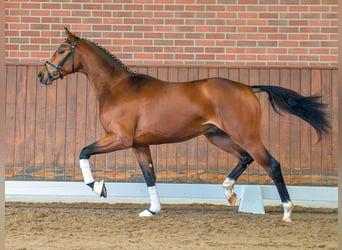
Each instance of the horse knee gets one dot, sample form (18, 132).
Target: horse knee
(85, 153)
(149, 175)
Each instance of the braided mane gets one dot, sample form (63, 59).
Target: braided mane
(117, 60)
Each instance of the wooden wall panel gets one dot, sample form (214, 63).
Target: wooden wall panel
(46, 128)
(10, 115)
(305, 136)
(30, 121)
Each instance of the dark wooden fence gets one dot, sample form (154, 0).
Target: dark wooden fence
(46, 127)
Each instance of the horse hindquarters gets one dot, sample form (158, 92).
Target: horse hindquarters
(259, 153)
(240, 119)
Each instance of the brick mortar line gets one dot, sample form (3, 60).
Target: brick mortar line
(184, 25)
(201, 66)
(186, 46)
(174, 12)
(195, 40)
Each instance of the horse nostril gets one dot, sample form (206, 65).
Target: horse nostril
(40, 75)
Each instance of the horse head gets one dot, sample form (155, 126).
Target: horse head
(62, 61)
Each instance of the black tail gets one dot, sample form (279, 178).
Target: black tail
(310, 109)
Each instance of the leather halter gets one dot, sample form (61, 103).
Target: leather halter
(60, 65)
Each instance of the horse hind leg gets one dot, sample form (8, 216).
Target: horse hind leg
(224, 142)
(272, 167)
(228, 184)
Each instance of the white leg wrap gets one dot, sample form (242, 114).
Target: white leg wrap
(86, 171)
(288, 207)
(155, 203)
(228, 186)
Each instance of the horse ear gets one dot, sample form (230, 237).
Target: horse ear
(70, 36)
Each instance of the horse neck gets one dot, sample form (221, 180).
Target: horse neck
(103, 72)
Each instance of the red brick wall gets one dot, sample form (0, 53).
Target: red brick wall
(178, 32)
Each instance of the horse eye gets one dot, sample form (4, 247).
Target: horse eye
(60, 52)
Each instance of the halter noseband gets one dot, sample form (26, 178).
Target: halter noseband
(60, 65)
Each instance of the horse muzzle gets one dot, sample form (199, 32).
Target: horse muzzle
(45, 77)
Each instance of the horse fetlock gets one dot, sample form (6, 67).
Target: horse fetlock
(228, 186)
(288, 207)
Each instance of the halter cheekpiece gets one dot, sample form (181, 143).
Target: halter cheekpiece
(60, 65)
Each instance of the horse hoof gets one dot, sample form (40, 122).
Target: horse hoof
(232, 199)
(288, 207)
(147, 213)
(100, 189)
(286, 220)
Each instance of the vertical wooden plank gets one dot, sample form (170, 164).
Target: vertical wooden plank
(202, 143)
(193, 174)
(40, 135)
(132, 166)
(327, 152)
(163, 73)
(334, 127)
(244, 78)
(316, 150)
(244, 75)
(254, 79)
(171, 163)
(233, 74)
(50, 131)
(81, 119)
(30, 121)
(61, 121)
(274, 123)
(306, 137)
(160, 161)
(223, 157)
(11, 87)
(213, 151)
(98, 164)
(182, 148)
(152, 71)
(70, 133)
(295, 135)
(138, 176)
(284, 157)
(192, 168)
(264, 79)
(20, 123)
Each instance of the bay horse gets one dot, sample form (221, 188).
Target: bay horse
(138, 110)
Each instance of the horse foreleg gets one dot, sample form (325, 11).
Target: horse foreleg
(97, 186)
(107, 144)
(144, 158)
